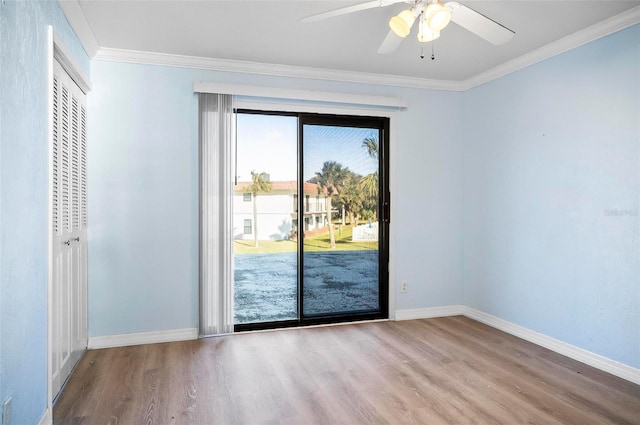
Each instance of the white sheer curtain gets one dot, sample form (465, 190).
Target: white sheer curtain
(216, 149)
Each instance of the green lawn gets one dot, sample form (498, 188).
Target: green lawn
(316, 243)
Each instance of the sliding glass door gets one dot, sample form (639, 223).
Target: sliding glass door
(310, 219)
(341, 273)
(265, 219)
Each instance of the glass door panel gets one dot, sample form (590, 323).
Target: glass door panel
(340, 250)
(265, 219)
(310, 229)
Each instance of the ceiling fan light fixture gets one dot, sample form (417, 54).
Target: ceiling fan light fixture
(437, 16)
(401, 23)
(425, 34)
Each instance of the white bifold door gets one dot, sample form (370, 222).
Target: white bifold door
(69, 227)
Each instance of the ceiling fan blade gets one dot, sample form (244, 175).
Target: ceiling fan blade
(349, 9)
(390, 43)
(479, 24)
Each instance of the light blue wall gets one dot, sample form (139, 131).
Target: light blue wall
(23, 199)
(142, 180)
(540, 161)
(427, 200)
(143, 204)
(551, 197)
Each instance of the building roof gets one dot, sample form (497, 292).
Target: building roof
(290, 186)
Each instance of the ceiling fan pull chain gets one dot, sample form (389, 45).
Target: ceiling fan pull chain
(433, 55)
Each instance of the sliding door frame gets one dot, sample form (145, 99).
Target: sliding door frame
(350, 121)
(382, 123)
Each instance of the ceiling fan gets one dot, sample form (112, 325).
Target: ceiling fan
(433, 17)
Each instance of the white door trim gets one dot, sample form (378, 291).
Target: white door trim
(50, 49)
(70, 66)
(57, 53)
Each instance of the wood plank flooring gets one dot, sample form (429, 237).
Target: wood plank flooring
(450, 370)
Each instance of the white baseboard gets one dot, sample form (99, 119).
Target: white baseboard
(124, 340)
(605, 364)
(587, 357)
(429, 312)
(46, 418)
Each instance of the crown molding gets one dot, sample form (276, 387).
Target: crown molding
(228, 65)
(79, 24)
(602, 29)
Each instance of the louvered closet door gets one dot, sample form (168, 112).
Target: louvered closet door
(69, 224)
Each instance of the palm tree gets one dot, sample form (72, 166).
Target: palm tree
(371, 144)
(260, 183)
(351, 197)
(369, 183)
(331, 179)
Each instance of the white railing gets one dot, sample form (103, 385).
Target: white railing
(365, 232)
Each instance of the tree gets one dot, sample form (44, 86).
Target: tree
(259, 183)
(351, 197)
(369, 183)
(331, 179)
(371, 144)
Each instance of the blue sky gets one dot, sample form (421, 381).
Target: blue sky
(269, 143)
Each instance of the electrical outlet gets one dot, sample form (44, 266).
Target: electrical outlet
(6, 412)
(404, 287)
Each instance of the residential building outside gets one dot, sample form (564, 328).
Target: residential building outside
(278, 210)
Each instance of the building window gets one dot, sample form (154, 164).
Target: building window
(246, 197)
(248, 226)
(306, 203)
(295, 203)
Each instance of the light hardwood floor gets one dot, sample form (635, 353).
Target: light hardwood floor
(449, 370)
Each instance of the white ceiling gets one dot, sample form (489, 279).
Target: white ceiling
(270, 32)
